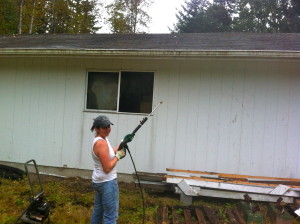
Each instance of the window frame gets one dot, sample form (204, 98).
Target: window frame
(119, 88)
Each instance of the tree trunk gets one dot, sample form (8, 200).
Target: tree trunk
(32, 17)
(21, 17)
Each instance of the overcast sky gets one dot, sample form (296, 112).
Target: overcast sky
(163, 14)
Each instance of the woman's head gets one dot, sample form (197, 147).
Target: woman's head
(101, 122)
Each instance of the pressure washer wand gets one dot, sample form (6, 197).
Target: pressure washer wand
(126, 147)
(145, 119)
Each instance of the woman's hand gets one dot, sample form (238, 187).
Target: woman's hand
(121, 154)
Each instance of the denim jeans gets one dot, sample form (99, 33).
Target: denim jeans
(106, 202)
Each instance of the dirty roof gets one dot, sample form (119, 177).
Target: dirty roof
(168, 42)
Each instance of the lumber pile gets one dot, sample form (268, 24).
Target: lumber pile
(250, 188)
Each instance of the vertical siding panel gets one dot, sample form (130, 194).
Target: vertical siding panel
(284, 83)
(297, 167)
(214, 103)
(182, 118)
(203, 117)
(225, 116)
(50, 111)
(292, 147)
(21, 111)
(193, 68)
(259, 118)
(198, 152)
(85, 161)
(247, 118)
(74, 96)
(33, 151)
(8, 76)
(172, 71)
(160, 128)
(236, 118)
(271, 88)
(52, 88)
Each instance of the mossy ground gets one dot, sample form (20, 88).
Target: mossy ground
(72, 201)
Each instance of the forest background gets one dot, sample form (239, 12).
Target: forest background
(131, 16)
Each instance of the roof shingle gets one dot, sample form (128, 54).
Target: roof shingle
(167, 42)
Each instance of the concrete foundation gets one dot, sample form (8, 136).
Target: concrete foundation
(67, 172)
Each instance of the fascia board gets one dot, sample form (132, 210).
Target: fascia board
(148, 53)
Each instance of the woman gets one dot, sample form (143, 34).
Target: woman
(104, 178)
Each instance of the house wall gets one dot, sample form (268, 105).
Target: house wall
(220, 115)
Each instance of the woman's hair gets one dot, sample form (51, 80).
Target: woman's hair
(94, 126)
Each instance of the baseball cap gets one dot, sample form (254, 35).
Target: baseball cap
(102, 121)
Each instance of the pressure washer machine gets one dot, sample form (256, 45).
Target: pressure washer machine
(38, 210)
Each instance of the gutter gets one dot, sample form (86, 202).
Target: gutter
(149, 53)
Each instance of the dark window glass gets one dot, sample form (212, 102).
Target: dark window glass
(102, 91)
(136, 92)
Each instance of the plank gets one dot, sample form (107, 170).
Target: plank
(176, 219)
(280, 190)
(240, 195)
(188, 217)
(162, 215)
(231, 217)
(187, 190)
(237, 215)
(233, 176)
(210, 215)
(165, 216)
(154, 177)
(200, 216)
(232, 185)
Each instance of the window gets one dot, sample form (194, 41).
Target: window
(120, 91)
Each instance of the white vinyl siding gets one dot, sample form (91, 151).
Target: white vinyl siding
(220, 115)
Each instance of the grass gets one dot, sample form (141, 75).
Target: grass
(72, 201)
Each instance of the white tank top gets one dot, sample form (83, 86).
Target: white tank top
(99, 175)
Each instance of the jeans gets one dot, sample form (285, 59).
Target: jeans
(106, 202)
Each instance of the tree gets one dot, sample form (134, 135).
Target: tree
(9, 16)
(128, 16)
(49, 16)
(199, 16)
(239, 16)
(21, 4)
(84, 16)
(267, 16)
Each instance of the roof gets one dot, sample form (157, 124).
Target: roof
(154, 44)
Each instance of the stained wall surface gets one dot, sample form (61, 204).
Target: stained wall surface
(238, 116)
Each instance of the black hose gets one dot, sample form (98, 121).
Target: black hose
(140, 186)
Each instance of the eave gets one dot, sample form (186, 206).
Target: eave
(153, 54)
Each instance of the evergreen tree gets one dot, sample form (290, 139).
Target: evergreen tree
(239, 16)
(198, 16)
(9, 16)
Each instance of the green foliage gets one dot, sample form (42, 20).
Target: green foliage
(128, 16)
(48, 16)
(238, 16)
(8, 16)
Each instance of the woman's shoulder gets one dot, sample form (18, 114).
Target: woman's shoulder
(100, 141)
